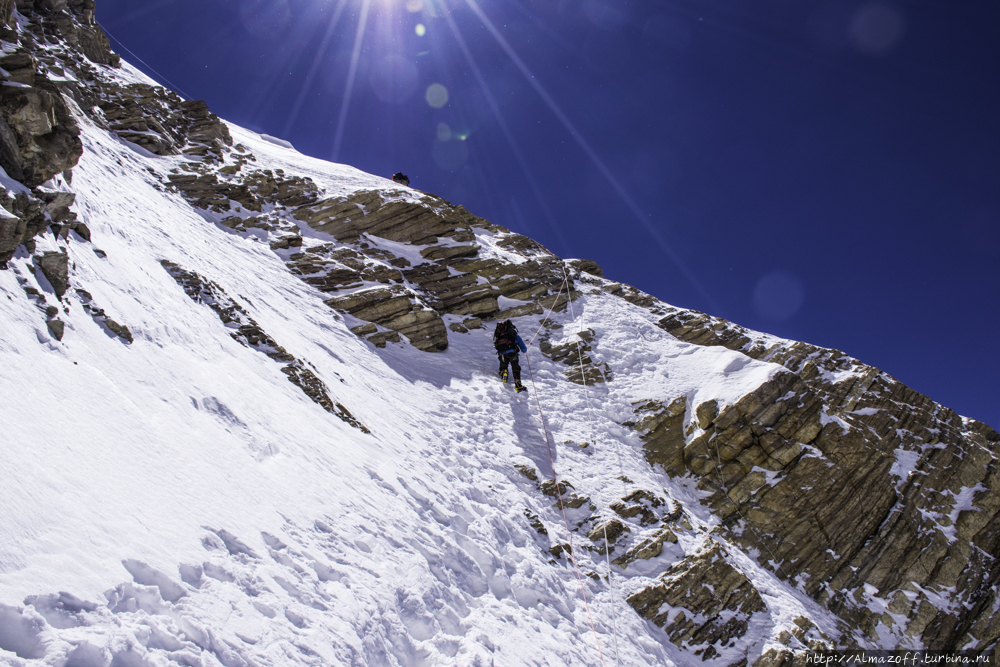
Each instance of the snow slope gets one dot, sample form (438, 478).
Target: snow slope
(177, 501)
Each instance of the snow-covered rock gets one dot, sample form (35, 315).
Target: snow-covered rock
(250, 416)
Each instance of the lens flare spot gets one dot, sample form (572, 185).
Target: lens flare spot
(414, 5)
(436, 95)
(444, 132)
(778, 296)
(877, 29)
(420, 29)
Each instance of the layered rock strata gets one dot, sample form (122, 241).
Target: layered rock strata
(702, 601)
(878, 499)
(451, 278)
(876, 502)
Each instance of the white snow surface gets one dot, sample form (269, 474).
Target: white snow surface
(178, 501)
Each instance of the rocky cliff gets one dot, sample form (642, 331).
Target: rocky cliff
(823, 480)
(51, 50)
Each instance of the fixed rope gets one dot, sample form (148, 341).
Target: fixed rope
(555, 476)
(548, 315)
(621, 472)
(163, 78)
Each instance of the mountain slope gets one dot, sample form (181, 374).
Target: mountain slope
(251, 418)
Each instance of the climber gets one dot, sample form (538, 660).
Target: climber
(507, 342)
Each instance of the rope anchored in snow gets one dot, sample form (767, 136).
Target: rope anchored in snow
(621, 473)
(555, 476)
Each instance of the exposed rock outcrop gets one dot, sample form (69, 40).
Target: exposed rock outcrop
(396, 309)
(837, 471)
(576, 354)
(71, 21)
(703, 602)
(99, 316)
(347, 218)
(27, 215)
(160, 121)
(12, 231)
(400, 297)
(39, 138)
(55, 267)
(247, 190)
(248, 333)
(662, 430)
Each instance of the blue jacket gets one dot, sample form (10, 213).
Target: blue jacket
(520, 344)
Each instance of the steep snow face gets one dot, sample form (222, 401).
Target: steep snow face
(173, 499)
(204, 462)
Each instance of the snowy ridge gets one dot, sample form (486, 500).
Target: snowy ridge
(406, 546)
(176, 500)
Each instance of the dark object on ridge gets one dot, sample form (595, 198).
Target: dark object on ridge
(401, 178)
(507, 342)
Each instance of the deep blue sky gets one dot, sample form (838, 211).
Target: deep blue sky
(827, 171)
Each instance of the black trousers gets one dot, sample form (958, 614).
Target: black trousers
(511, 358)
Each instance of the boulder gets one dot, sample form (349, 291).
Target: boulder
(583, 370)
(285, 242)
(11, 234)
(648, 548)
(20, 67)
(55, 267)
(57, 205)
(609, 530)
(57, 328)
(83, 230)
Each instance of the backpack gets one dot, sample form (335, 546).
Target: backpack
(505, 336)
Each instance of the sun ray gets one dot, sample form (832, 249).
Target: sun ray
(352, 72)
(275, 78)
(317, 61)
(584, 145)
(495, 108)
